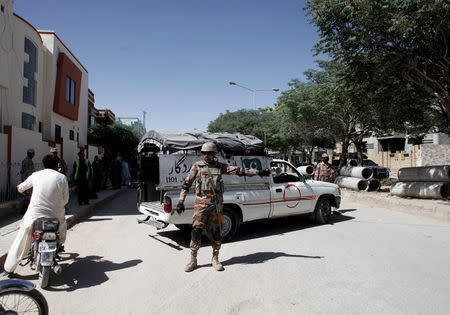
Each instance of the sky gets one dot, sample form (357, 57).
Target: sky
(174, 58)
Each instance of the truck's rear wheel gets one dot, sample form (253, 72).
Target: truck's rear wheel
(322, 212)
(229, 224)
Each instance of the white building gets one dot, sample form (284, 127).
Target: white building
(43, 96)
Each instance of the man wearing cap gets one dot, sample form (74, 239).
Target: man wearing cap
(208, 200)
(324, 170)
(62, 166)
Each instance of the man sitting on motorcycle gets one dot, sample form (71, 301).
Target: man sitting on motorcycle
(50, 195)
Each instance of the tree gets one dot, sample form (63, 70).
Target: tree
(306, 118)
(264, 123)
(115, 138)
(409, 39)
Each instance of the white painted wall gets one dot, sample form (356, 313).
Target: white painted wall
(3, 161)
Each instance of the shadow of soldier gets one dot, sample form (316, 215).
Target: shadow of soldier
(262, 257)
(85, 272)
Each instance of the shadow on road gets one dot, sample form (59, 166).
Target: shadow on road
(254, 229)
(262, 257)
(85, 272)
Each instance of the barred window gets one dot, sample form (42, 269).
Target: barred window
(71, 135)
(29, 68)
(28, 121)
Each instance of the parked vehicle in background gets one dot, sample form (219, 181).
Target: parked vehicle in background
(379, 172)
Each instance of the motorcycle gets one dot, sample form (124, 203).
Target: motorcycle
(21, 297)
(44, 249)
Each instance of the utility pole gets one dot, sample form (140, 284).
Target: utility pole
(143, 117)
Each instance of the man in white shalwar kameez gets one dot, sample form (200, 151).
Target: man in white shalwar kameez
(50, 195)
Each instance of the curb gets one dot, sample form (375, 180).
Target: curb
(430, 208)
(72, 219)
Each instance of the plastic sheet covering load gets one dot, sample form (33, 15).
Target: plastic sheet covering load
(229, 143)
(425, 190)
(358, 172)
(439, 173)
(351, 183)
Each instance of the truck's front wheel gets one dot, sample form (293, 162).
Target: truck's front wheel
(322, 212)
(229, 224)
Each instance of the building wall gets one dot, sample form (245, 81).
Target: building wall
(3, 161)
(55, 46)
(432, 154)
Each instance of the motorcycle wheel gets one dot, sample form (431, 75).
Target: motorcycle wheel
(23, 302)
(44, 275)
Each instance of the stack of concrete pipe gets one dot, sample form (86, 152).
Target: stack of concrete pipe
(357, 178)
(307, 170)
(427, 182)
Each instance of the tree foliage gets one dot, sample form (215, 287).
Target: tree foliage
(115, 138)
(398, 40)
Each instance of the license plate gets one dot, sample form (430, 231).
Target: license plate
(47, 246)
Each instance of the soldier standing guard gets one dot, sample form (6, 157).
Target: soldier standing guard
(26, 170)
(326, 173)
(27, 165)
(324, 170)
(208, 200)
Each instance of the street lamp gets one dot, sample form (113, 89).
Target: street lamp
(252, 90)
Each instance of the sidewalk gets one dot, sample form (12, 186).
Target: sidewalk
(10, 224)
(431, 208)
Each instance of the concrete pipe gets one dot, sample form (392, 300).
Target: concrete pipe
(438, 173)
(373, 185)
(351, 182)
(425, 190)
(358, 172)
(306, 170)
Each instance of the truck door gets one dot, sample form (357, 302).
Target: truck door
(289, 192)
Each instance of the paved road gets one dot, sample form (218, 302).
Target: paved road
(369, 261)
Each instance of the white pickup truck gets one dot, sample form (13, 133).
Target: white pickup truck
(284, 193)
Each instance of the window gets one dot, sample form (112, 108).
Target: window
(78, 138)
(40, 126)
(28, 121)
(70, 90)
(284, 173)
(29, 68)
(57, 132)
(71, 135)
(91, 121)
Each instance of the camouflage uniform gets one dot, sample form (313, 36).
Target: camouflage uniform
(206, 219)
(27, 168)
(325, 173)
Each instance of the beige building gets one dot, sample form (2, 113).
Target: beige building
(43, 96)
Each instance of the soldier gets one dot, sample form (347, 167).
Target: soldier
(326, 173)
(26, 170)
(27, 165)
(62, 166)
(324, 170)
(207, 175)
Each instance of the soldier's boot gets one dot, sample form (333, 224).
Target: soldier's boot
(215, 260)
(192, 264)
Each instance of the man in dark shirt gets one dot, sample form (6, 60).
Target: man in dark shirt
(82, 171)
